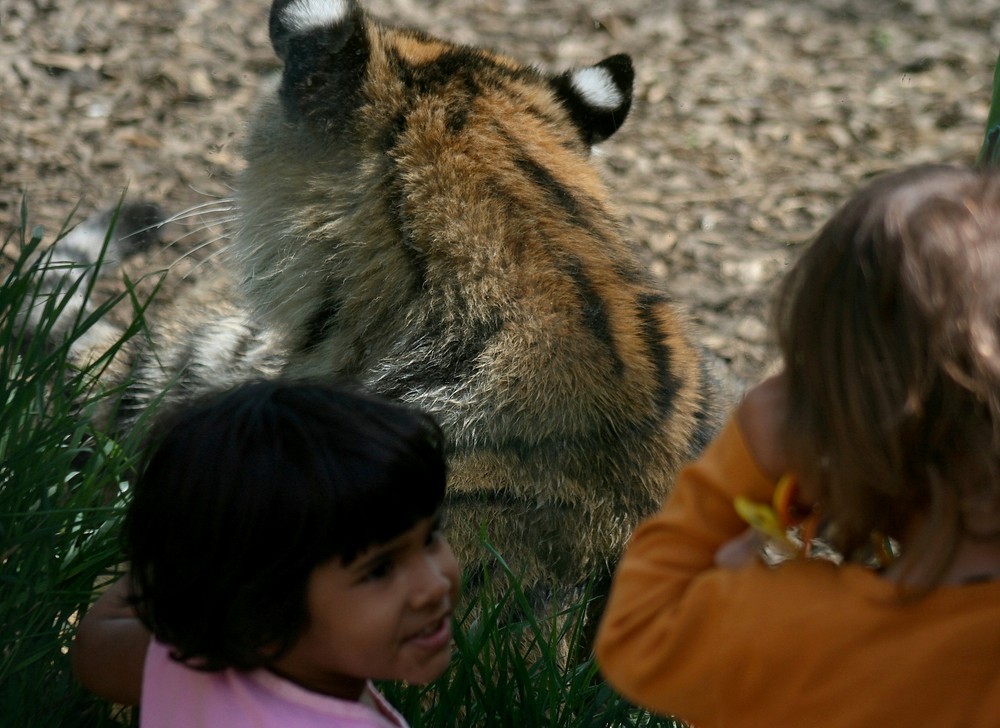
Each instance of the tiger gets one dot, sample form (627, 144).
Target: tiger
(424, 220)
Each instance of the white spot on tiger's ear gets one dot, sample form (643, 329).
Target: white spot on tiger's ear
(302, 16)
(597, 87)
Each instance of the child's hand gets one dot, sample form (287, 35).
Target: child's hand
(109, 651)
(739, 551)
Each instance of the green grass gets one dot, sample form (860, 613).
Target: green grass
(63, 488)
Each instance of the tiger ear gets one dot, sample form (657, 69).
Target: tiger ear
(598, 97)
(325, 49)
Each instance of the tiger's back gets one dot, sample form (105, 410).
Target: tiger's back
(430, 224)
(423, 218)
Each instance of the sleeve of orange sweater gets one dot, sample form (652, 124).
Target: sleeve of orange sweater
(652, 614)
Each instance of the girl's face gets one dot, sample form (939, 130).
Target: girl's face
(385, 616)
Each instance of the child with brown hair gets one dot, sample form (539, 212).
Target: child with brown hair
(887, 415)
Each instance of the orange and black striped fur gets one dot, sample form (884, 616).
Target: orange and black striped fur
(423, 218)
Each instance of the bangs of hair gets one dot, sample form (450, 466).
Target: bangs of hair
(371, 481)
(333, 474)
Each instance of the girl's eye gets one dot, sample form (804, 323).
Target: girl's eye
(379, 570)
(434, 536)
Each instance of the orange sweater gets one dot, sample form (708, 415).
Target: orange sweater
(807, 643)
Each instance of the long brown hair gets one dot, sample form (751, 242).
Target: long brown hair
(889, 325)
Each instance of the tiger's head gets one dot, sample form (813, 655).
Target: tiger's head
(342, 68)
(416, 149)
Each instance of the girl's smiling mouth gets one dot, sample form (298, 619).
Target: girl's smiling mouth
(435, 636)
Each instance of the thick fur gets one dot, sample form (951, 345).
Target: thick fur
(423, 219)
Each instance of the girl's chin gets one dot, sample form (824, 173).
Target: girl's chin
(429, 667)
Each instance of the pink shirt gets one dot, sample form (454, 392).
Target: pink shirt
(175, 696)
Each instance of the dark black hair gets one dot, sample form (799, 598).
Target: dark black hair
(244, 492)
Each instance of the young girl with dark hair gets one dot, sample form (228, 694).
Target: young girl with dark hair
(885, 422)
(284, 549)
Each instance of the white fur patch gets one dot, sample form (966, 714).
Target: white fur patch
(302, 16)
(597, 87)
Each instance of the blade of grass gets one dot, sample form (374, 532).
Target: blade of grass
(989, 153)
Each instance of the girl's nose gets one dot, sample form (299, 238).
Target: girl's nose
(432, 580)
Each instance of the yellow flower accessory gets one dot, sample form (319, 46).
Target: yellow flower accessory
(775, 519)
